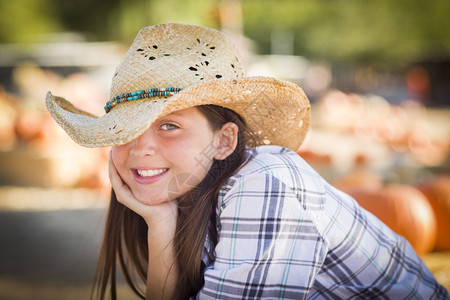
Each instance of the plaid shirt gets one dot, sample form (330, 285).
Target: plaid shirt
(284, 233)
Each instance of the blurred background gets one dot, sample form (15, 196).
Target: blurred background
(377, 74)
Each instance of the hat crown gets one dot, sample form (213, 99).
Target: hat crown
(176, 55)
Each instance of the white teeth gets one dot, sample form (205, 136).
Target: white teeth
(149, 173)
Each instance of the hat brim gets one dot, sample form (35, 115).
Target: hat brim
(277, 111)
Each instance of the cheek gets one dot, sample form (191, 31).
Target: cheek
(119, 155)
(180, 152)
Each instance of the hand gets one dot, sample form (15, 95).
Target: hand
(161, 219)
(153, 215)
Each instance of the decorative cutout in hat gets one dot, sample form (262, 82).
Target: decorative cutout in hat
(170, 67)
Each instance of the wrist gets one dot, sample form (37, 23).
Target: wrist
(161, 228)
(162, 217)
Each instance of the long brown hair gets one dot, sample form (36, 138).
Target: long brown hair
(125, 237)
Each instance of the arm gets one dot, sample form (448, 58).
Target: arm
(161, 220)
(162, 273)
(268, 246)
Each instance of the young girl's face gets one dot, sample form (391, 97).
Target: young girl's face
(169, 158)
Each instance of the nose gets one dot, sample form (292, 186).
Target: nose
(144, 145)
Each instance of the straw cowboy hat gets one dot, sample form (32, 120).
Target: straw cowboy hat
(170, 67)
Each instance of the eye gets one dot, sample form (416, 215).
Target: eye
(169, 126)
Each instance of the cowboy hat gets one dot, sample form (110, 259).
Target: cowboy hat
(170, 67)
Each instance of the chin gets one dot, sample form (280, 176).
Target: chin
(153, 198)
(152, 201)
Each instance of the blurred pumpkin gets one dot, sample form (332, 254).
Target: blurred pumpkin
(429, 143)
(314, 158)
(29, 124)
(95, 175)
(437, 191)
(405, 210)
(358, 179)
(339, 111)
(8, 115)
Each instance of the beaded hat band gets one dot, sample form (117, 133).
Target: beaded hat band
(141, 94)
(182, 66)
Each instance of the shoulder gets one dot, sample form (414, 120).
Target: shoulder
(276, 161)
(273, 169)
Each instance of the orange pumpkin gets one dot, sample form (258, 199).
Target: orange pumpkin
(315, 158)
(358, 179)
(437, 191)
(405, 210)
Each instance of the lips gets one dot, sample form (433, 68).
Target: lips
(142, 176)
(150, 173)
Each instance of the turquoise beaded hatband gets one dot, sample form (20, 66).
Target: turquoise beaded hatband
(141, 94)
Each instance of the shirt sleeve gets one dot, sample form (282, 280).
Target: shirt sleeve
(268, 245)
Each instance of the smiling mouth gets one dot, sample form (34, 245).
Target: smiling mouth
(151, 173)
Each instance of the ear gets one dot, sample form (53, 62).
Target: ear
(226, 140)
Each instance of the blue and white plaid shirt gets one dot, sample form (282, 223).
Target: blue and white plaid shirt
(285, 233)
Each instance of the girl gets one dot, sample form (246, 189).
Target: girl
(210, 201)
